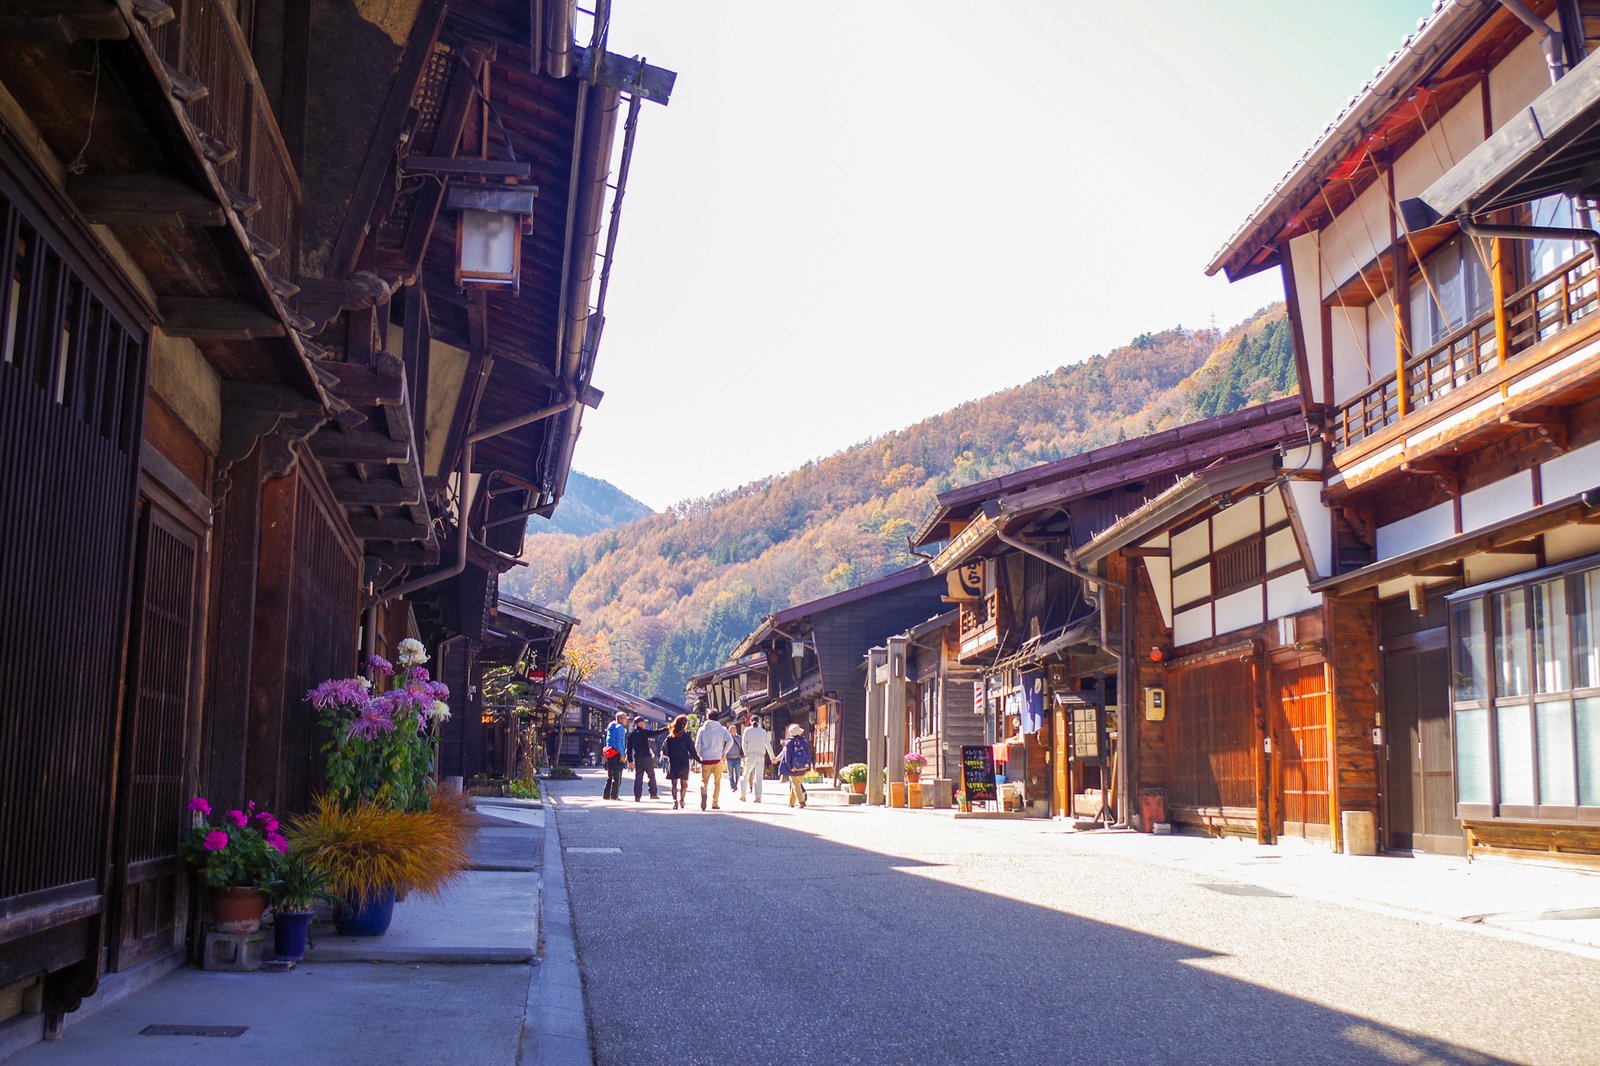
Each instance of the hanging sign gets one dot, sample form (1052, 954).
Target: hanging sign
(1032, 701)
(977, 774)
(966, 582)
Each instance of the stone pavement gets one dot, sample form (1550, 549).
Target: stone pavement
(454, 980)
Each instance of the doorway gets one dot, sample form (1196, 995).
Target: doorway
(1419, 775)
(1302, 742)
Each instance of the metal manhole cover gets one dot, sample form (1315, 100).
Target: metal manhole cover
(1247, 890)
(193, 1030)
(594, 851)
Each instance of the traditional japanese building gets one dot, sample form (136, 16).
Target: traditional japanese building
(814, 651)
(1437, 248)
(299, 306)
(921, 699)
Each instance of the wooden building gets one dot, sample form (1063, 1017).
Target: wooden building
(740, 687)
(920, 698)
(257, 415)
(1047, 629)
(1438, 257)
(814, 652)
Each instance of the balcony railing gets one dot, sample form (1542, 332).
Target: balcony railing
(1534, 314)
(209, 62)
(980, 623)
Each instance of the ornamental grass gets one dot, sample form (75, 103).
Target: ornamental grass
(366, 848)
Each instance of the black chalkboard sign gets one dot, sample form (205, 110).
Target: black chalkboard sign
(977, 773)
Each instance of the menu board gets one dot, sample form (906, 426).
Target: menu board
(1085, 732)
(977, 773)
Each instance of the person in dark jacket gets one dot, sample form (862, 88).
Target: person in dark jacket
(680, 752)
(642, 758)
(794, 762)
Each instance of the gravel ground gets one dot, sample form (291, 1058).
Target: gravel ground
(832, 935)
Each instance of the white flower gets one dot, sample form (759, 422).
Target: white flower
(366, 683)
(412, 653)
(441, 711)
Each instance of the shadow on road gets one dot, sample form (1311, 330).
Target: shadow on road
(709, 939)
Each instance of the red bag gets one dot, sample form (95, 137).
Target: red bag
(609, 752)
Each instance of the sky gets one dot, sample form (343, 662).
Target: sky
(854, 215)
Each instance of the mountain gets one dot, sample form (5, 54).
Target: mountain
(588, 506)
(674, 592)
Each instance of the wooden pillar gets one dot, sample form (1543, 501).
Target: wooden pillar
(1330, 709)
(1400, 291)
(1263, 761)
(269, 658)
(1497, 277)
(875, 742)
(226, 726)
(894, 710)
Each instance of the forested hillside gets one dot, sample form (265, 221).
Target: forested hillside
(674, 592)
(589, 505)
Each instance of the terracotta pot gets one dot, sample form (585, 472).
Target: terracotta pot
(913, 775)
(237, 909)
(858, 787)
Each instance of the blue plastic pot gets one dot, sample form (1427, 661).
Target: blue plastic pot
(289, 931)
(367, 916)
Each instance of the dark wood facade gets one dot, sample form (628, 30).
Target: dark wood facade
(236, 407)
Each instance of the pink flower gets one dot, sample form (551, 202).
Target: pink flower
(278, 842)
(380, 666)
(419, 674)
(199, 804)
(238, 818)
(373, 719)
(269, 824)
(215, 840)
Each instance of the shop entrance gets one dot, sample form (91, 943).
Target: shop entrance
(1420, 777)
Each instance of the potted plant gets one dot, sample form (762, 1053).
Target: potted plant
(368, 851)
(236, 854)
(294, 890)
(855, 775)
(914, 765)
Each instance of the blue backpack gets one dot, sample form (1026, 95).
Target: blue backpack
(799, 755)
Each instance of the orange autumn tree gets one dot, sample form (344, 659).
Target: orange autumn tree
(585, 654)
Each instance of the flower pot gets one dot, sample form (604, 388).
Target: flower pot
(289, 931)
(367, 916)
(858, 787)
(913, 776)
(237, 908)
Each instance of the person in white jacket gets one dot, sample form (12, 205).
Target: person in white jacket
(757, 750)
(712, 743)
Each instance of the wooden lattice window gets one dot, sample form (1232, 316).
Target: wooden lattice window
(1238, 566)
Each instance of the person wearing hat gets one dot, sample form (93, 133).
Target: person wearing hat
(795, 762)
(643, 757)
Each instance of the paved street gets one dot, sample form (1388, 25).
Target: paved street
(835, 935)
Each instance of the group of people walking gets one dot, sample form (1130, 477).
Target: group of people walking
(714, 749)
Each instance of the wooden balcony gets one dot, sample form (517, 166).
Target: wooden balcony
(1544, 309)
(1460, 388)
(208, 65)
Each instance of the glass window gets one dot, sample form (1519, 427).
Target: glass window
(1545, 256)
(1471, 675)
(1550, 646)
(1511, 642)
(1557, 787)
(1473, 784)
(1588, 745)
(1514, 732)
(1458, 280)
(1585, 589)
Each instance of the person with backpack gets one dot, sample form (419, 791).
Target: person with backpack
(794, 763)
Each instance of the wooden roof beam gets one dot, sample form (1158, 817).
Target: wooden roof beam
(148, 200)
(64, 21)
(217, 318)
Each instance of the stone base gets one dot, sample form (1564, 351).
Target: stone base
(1360, 832)
(235, 952)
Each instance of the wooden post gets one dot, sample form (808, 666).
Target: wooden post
(1400, 292)
(1497, 276)
(1263, 763)
(1335, 823)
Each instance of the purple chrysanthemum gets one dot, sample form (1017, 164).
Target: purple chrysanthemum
(380, 666)
(344, 692)
(373, 719)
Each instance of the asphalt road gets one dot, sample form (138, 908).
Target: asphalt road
(834, 935)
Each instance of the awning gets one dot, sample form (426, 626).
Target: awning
(1177, 503)
(1551, 146)
(1080, 636)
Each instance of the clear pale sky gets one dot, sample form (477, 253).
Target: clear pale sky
(857, 214)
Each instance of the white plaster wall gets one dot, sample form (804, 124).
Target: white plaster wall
(1192, 625)
(1356, 236)
(1354, 367)
(1290, 594)
(1519, 78)
(1308, 282)
(1191, 586)
(1282, 550)
(1160, 571)
(1481, 568)
(1380, 335)
(1233, 524)
(1459, 133)
(1570, 474)
(1417, 531)
(1241, 609)
(1190, 545)
(1500, 500)
(1272, 505)
(1316, 521)
(1571, 542)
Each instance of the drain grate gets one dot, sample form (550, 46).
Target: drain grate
(194, 1030)
(1247, 890)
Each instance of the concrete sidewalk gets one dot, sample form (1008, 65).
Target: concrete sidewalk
(454, 980)
(1552, 906)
